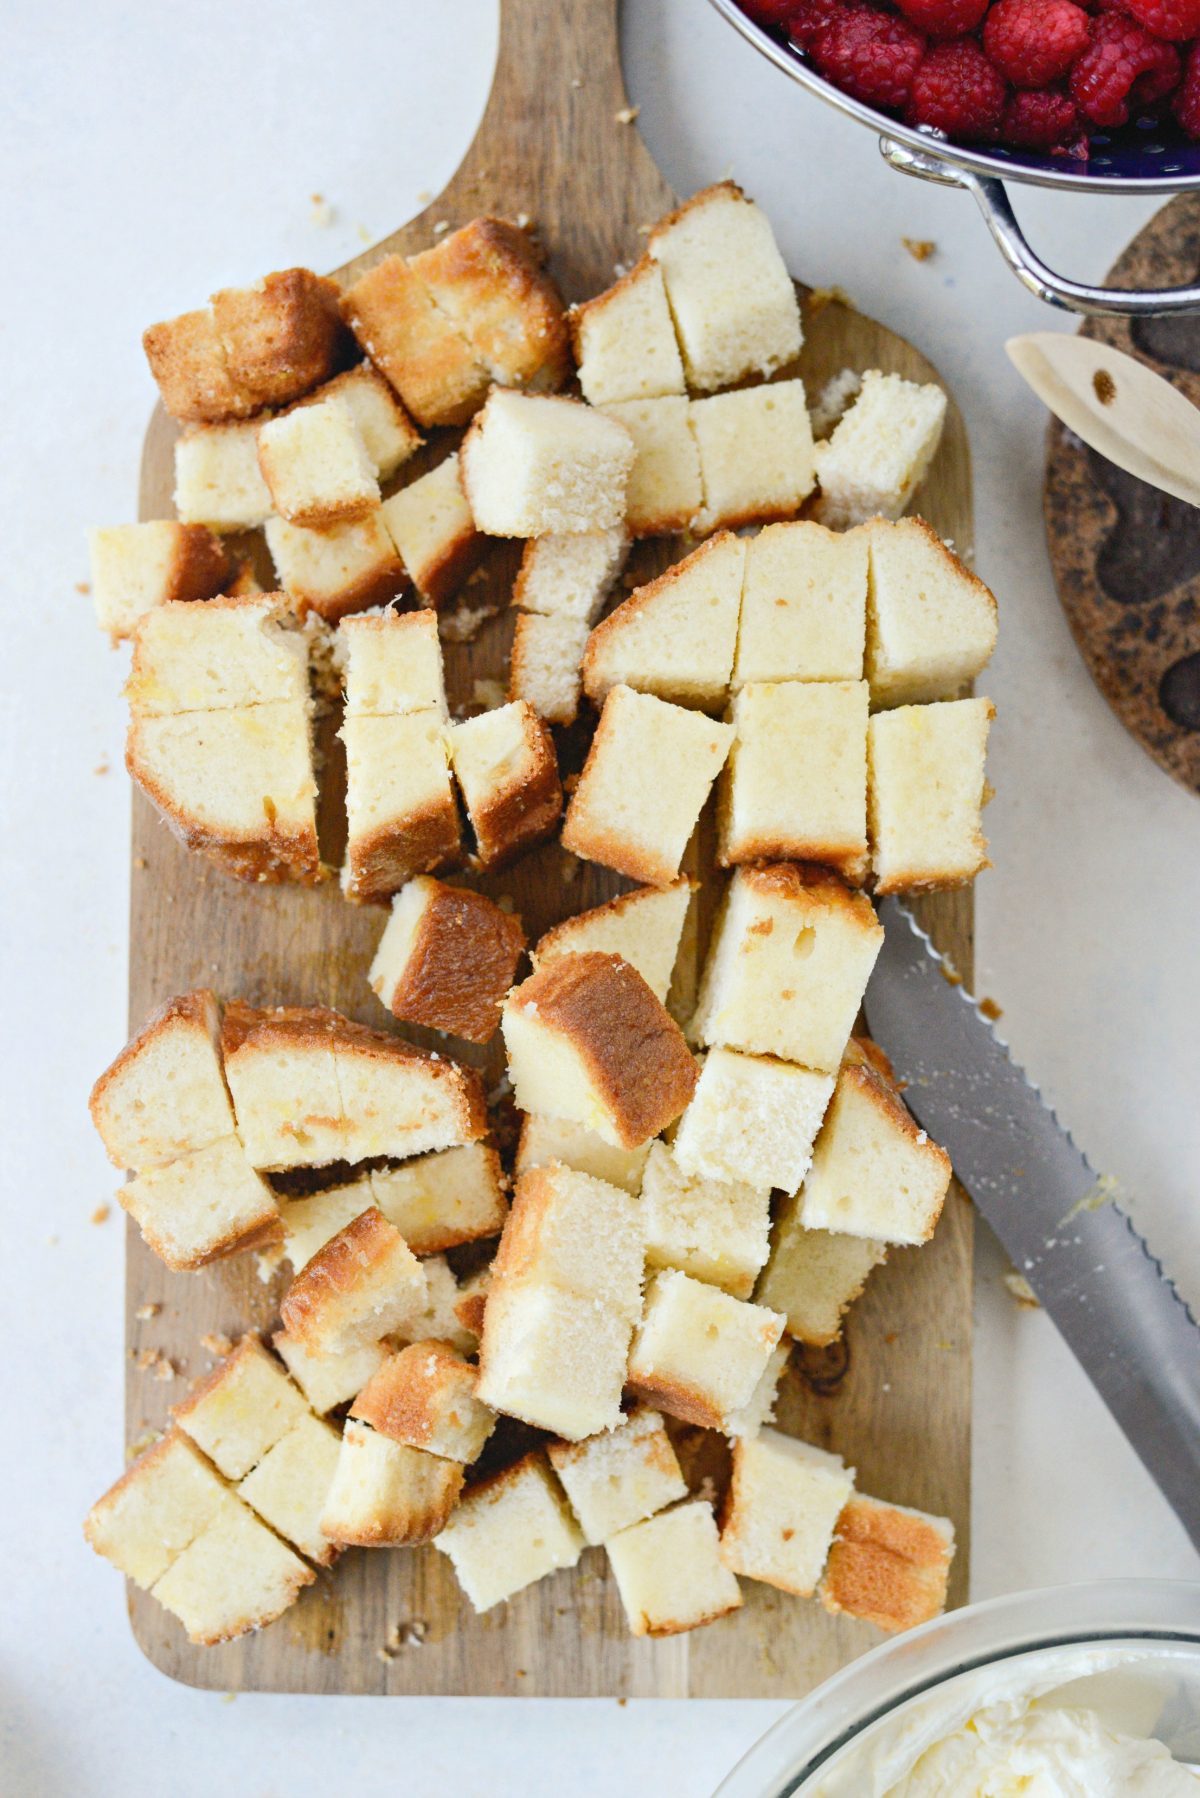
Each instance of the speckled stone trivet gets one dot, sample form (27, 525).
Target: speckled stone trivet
(1127, 557)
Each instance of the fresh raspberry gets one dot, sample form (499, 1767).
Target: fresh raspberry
(944, 18)
(1121, 63)
(956, 90)
(1177, 19)
(772, 15)
(872, 56)
(1039, 119)
(1186, 104)
(1034, 42)
(808, 19)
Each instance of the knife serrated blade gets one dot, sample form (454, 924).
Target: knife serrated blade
(1108, 1295)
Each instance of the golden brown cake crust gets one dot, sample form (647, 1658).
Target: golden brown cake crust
(680, 1400)
(201, 565)
(469, 1310)
(525, 810)
(515, 317)
(283, 335)
(432, 368)
(200, 1008)
(380, 862)
(636, 1054)
(852, 865)
(461, 965)
(886, 1566)
(400, 1400)
(340, 1267)
(187, 360)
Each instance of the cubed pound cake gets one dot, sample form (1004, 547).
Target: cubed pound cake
(570, 574)
(664, 490)
(218, 481)
(699, 1353)
(759, 1408)
(620, 1477)
(789, 963)
(756, 455)
(507, 771)
(136, 567)
(545, 665)
(289, 1487)
(552, 1359)
(241, 1409)
(439, 1201)
(926, 792)
(732, 300)
(795, 785)
(487, 279)
(715, 1230)
(346, 568)
(784, 1501)
(447, 958)
(880, 450)
(388, 433)
(204, 1205)
(533, 464)
(165, 1093)
(425, 1395)
(401, 813)
(328, 1381)
(316, 465)
(544, 1140)
(576, 1233)
(436, 372)
(676, 635)
(874, 1174)
(509, 1531)
(814, 1276)
(804, 605)
(888, 1565)
(385, 1494)
(753, 1118)
(669, 1572)
(931, 622)
(643, 927)
(228, 653)
(623, 813)
(391, 664)
(588, 1041)
(362, 1286)
(624, 340)
(159, 1505)
(313, 1220)
(190, 369)
(235, 1576)
(431, 526)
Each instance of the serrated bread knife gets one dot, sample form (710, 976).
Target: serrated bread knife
(1119, 1313)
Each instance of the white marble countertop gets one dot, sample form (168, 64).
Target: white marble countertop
(159, 153)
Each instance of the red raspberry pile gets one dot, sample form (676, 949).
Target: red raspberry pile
(1032, 74)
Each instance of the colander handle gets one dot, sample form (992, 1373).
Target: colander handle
(992, 199)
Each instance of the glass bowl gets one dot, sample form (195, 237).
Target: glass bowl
(1152, 1624)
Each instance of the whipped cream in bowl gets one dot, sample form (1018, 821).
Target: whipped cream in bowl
(1080, 1692)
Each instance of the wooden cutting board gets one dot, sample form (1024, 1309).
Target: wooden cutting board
(894, 1397)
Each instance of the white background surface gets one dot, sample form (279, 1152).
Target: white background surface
(153, 154)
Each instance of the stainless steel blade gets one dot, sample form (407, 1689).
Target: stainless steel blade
(1119, 1313)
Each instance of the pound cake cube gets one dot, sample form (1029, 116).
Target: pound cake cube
(753, 1118)
(136, 567)
(544, 1140)
(587, 1040)
(402, 818)
(570, 574)
(426, 1396)
(664, 490)
(643, 927)
(158, 1506)
(228, 653)
(398, 1100)
(617, 1479)
(623, 814)
(281, 1073)
(814, 1276)
(889, 1565)
(578, 1234)
(732, 299)
(241, 1409)
(756, 455)
(790, 960)
(362, 1286)
(438, 1201)
(392, 664)
(437, 1318)
(931, 622)
(389, 435)
(432, 527)
(669, 1572)
(431, 365)
(471, 1303)
(387, 1495)
(804, 605)
(926, 792)
(509, 1531)
(785, 1498)
(346, 568)
(218, 481)
(204, 1205)
(234, 1577)
(675, 636)
(328, 1380)
(289, 1486)
(552, 1359)
(545, 665)
(446, 959)
(507, 771)
(532, 464)
(874, 1174)
(281, 336)
(795, 785)
(190, 368)
(488, 280)
(715, 1230)
(316, 465)
(879, 450)
(165, 1093)
(759, 1408)
(310, 1222)
(699, 1353)
(624, 340)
